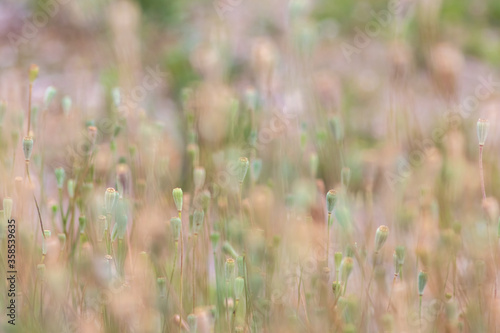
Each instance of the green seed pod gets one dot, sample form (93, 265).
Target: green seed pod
(331, 200)
(102, 226)
(214, 238)
(175, 225)
(49, 95)
(60, 175)
(109, 199)
(313, 165)
(71, 188)
(483, 126)
(27, 147)
(346, 267)
(161, 283)
(345, 176)
(242, 169)
(7, 208)
(338, 259)
(62, 240)
(229, 250)
(381, 237)
(66, 104)
(192, 322)
(198, 217)
(116, 96)
(82, 222)
(33, 73)
(241, 265)
(422, 281)
(229, 269)
(199, 178)
(255, 170)
(47, 234)
(177, 194)
(239, 286)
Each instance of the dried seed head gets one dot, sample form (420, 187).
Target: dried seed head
(381, 237)
(198, 217)
(199, 178)
(242, 169)
(239, 285)
(331, 200)
(175, 225)
(109, 199)
(33, 73)
(483, 126)
(346, 267)
(27, 147)
(422, 281)
(49, 95)
(177, 194)
(7, 208)
(60, 175)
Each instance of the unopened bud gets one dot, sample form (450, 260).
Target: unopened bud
(483, 126)
(381, 237)
(177, 194)
(27, 147)
(422, 281)
(331, 200)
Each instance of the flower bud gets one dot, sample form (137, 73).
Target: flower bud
(242, 169)
(49, 95)
(331, 200)
(198, 217)
(60, 175)
(177, 194)
(175, 225)
(33, 73)
(239, 286)
(422, 281)
(381, 237)
(7, 208)
(483, 126)
(27, 147)
(109, 199)
(199, 177)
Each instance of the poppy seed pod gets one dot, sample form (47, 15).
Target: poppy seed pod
(381, 237)
(27, 147)
(109, 199)
(239, 286)
(177, 194)
(422, 281)
(7, 208)
(242, 169)
(199, 178)
(483, 126)
(60, 175)
(71, 188)
(175, 225)
(331, 200)
(346, 267)
(33, 73)
(49, 95)
(198, 217)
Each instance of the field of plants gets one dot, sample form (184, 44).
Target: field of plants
(249, 166)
